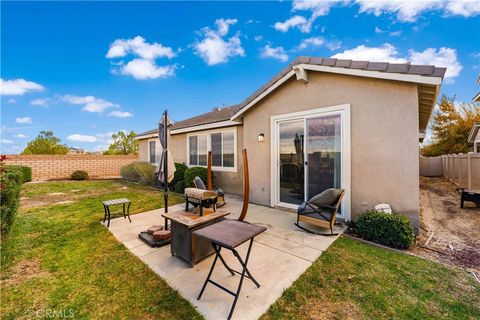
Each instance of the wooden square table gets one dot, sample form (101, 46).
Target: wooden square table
(184, 243)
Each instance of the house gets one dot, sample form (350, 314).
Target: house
(477, 96)
(474, 137)
(319, 123)
(75, 150)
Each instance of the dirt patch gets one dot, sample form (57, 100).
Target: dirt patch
(54, 198)
(23, 271)
(452, 227)
(325, 310)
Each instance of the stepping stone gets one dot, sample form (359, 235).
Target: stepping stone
(155, 227)
(162, 235)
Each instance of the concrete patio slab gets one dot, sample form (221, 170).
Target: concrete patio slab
(279, 256)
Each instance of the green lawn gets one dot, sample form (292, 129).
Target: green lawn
(59, 257)
(353, 280)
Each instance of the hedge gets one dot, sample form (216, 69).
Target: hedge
(26, 171)
(140, 172)
(10, 181)
(193, 172)
(79, 175)
(180, 169)
(392, 230)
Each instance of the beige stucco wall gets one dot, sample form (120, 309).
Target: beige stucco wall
(384, 136)
(231, 182)
(143, 150)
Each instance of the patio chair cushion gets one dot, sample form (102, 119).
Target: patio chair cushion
(162, 234)
(199, 194)
(317, 216)
(328, 197)
(199, 183)
(155, 227)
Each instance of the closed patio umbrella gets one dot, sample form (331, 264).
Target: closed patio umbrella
(166, 167)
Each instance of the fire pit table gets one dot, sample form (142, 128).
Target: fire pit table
(184, 243)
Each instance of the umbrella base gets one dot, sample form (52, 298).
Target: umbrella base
(149, 240)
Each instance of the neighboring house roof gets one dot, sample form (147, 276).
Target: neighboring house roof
(428, 78)
(214, 116)
(473, 132)
(477, 98)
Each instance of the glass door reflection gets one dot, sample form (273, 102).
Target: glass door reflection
(291, 162)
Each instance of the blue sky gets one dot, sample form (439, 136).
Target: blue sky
(84, 70)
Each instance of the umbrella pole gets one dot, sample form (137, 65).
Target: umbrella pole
(165, 166)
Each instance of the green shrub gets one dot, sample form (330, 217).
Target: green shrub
(180, 169)
(393, 230)
(140, 172)
(26, 171)
(79, 175)
(193, 172)
(10, 182)
(129, 173)
(179, 187)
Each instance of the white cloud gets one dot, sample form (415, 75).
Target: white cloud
(384, 53)
(6, 141)
(299, 22)
(143, 66)
(443, 57)
(81, 138)
(409, 11)
(18, 87)
(90, 103)
(23, 120)
(106, 134)
(120, 114)
(11, 101)
(275, 53)
(20, 136)
(317, 7)
(40, 102)
(378, 30)
(404, 10)
(137, 46)
(396, 33)
(213, 48)
(143, 69)
(311, 42)
(258, 38)
(333, 45)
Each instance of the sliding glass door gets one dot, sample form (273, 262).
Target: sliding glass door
(309, 157)
(324, 152)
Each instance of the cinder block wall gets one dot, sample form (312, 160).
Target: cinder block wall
(51, 167)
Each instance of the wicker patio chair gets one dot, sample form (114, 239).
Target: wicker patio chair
(321, 210)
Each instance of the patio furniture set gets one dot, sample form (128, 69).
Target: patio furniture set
(194, 235)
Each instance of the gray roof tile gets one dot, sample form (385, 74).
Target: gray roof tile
(377, 66)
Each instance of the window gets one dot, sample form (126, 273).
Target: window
(222, 145)
(151, 148)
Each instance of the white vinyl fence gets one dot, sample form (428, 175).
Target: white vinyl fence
(462, 169)
(431, 166)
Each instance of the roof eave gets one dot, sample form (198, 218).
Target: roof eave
(473, 133)
(419, 79)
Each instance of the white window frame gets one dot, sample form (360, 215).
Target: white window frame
(149, 151)
(344, 111)
(209, 148)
